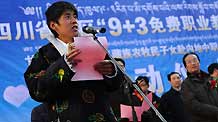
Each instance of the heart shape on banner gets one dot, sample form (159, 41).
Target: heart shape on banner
(16, 95)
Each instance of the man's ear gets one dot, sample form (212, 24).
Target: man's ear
(53, 25)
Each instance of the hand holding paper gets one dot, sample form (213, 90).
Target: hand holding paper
(72, 53)
(91, 54)
(104, 67)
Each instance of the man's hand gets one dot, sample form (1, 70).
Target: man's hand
(72, 53)
(105, 67)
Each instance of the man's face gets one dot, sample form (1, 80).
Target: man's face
(121, 65)
(67, 26)
(215, 73)
(175, 81)
(192, 64)
(142, 84)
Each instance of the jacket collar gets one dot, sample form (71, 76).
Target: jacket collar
(60, 46)
(199, 77)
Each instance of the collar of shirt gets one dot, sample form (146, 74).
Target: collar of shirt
(59, 45)
(63, 46)
(177, 89)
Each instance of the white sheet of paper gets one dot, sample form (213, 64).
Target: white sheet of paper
(91, 53)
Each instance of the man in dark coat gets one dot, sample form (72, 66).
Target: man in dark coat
(201, 102)
(171, 104)
(49, 76)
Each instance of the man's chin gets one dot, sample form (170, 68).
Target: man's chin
(196, 71)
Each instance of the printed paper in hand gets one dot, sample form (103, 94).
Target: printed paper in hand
(91, 53)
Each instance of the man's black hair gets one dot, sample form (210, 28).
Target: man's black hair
(54, 12)
(212, 67)
(172, 73)
(140, 78)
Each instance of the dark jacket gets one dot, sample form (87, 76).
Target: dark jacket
(80, 101)
(172, 107)
(200, 101)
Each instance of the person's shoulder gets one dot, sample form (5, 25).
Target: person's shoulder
(166, 94)
(164, 98)
(46, 47)
(154, 95)
(186, 81)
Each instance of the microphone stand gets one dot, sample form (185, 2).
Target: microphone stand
(128, 91)
(130, 83)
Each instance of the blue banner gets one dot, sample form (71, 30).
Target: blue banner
(151, 36)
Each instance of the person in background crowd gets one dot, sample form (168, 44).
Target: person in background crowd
(213, 80)
(115, 97)
(147, 116)
(171, 104)
(49, 76)
(213, 71)
(143, 83)
(200, 102)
